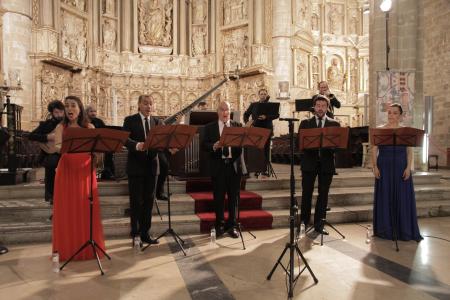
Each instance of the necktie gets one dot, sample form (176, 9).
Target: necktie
(320, 123)
(147, 127)
(225, 150)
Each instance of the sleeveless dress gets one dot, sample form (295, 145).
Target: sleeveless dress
(394, 198)
(71, 208)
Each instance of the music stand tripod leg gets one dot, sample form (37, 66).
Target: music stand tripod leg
(157, 209)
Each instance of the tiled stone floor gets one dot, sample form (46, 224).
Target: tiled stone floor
(346, 269)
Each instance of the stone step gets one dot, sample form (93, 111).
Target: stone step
(33, 232)
(30, 210)
(112, 188)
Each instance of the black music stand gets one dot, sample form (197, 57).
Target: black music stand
(404, 136)
(324, 138)
(292, 245)
(85, 140)
(304, 105)
(241, 137)
(165, 138)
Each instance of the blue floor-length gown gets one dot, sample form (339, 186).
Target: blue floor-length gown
(394, 195)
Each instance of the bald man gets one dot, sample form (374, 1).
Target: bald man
(225, 170)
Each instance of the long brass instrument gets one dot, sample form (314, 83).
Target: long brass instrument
(173, 118)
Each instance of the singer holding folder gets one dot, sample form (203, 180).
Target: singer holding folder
(71, 205)
(142, 170)
(225, 170)
(317, 163)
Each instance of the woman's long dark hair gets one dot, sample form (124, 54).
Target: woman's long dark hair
(82, 119)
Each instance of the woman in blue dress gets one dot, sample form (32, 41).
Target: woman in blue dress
(394, 198)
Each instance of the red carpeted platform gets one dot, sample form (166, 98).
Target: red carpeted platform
(252, 216)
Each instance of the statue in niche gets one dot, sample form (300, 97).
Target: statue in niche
(334, 75)
(354, 75)
(199, 12)
(353, 22)
(335, 20)
(109, 35)
(304, 13)
(155, 22)
(315, 64)
(301, 72)
(315, 22)
(198, 42)
(109, 7)
(73, 37)
(244, 53)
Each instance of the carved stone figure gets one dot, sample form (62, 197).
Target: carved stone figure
(335, 75)
(301, 73)
(198, 42)
(354, 76)
(315, 64)
(110, 7)
(80, 4)
(236, 49)
(315, 22)
(304, 14)
(199, 12)
(235, 11)
(109, 35)
(73, 37)
(53, 87)
(155, 22)
(335, 20)
(353, 22)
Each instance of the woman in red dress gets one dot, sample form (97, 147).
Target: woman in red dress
(71, 194)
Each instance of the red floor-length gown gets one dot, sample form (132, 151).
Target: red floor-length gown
(71, 208)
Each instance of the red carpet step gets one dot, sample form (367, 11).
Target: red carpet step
(251, 216)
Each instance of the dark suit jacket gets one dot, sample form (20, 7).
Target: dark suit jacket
(210, 136)
(311, 157)
(252, 111)
(140, 163)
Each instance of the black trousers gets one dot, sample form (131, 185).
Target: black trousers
(142, 196)
(163, 172)
(308, 180)
(267, 153)
(226, 181)
(50, 162)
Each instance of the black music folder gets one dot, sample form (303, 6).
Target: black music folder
(304, 105)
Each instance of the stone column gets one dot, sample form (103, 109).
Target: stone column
(16, 46)
(258, 15)
(282, 52)
(126, 25)
(183, 28)
(212, 27)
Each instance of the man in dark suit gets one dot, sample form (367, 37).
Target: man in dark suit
(317, 163)
(142, 169)
(262, 121)
(44, 134)
(225, 170)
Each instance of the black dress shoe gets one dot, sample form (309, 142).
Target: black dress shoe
(233, 233)
(321, 231)
(149, 240)
(162, 197)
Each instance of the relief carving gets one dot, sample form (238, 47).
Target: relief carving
(109, 35)
(198, 42)
(315, 22)
(335, 75)
(304, 14)
(354, 76)
(199, 11)
(79, 4)
(155, 22)
(236, 49)
(109, 7)
(302, 69)
(335, 19)
(73, 38)
(53, 87)
(353, 23)
(315, 71)
(35, 12)
(234, 11)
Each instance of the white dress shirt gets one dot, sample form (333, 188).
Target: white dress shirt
(324, 118)
(221, 126)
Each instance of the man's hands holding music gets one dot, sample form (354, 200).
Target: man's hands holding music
(262, 117)
(50, 137)
(173, 150)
